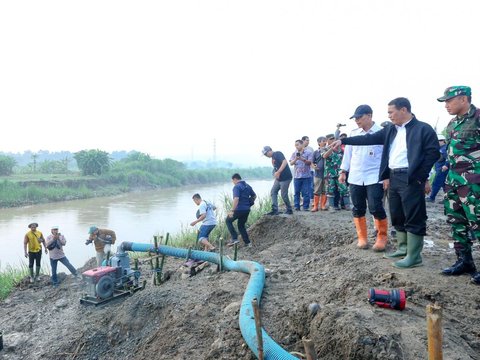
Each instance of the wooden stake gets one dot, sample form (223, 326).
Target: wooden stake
(158, 275)
(163, 260)
(258, 327)
(434, 332)
(220, 263)
(235, 252)
(309, 347)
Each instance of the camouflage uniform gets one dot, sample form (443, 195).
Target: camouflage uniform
(462, 196)
(462, 199)
(332, 171)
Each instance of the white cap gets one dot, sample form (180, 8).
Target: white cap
(440, 137)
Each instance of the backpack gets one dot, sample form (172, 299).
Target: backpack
(251, 195)
(210, 207)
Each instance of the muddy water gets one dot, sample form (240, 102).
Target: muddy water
(134, 217)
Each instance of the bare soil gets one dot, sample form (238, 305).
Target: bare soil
(311, 258)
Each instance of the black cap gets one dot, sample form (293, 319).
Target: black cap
(362, 110)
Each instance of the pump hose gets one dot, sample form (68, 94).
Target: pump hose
(271, 350)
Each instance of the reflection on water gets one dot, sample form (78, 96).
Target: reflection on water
(134, 217)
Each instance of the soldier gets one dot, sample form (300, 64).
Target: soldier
(462, 198)
(333, 160)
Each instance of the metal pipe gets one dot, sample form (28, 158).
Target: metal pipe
(271, 350)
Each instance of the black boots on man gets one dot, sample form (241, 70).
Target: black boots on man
(463, 265)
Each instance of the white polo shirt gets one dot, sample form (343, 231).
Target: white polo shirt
(397, 158)
(362, 162)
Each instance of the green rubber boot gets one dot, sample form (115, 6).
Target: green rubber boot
(401, 246)
(414, 249)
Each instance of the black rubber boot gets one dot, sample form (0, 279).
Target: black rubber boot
(463, 265)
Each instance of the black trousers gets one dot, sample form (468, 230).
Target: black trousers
(408, 212)
(34, 257)
(371, 194)
(242, 217)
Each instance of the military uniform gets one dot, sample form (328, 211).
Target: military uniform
(462, 197)
(332, 172)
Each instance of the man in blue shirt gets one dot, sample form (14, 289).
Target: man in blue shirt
(441, 170)
(243, 199)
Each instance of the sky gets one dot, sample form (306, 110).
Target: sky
(218, 80)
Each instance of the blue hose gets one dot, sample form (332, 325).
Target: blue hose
(271, 350)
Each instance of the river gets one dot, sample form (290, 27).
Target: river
(134, 216)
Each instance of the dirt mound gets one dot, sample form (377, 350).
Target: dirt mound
(316, 287)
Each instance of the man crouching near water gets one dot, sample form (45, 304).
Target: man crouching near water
(102, 240)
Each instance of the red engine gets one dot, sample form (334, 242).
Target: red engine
(100, 281)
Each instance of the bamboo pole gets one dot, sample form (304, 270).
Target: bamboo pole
(258, 327)
(220, 263)
(157, 261)
(434, 332)
(309, 347)
(162, 263)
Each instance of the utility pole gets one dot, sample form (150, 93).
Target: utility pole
(34, 157)
(214, 150)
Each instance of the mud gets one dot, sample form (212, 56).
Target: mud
(316, 287)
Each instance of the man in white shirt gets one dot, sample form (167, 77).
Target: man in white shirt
(362, 163)
(205, 215)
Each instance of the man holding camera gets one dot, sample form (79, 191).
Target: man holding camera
(55, 243)
(301, 160)
(102, 240)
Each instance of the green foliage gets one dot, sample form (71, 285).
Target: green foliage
(53, 167)
(93, 162)
(9, 278)
(6, 165)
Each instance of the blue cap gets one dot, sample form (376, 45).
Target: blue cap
(92, 229)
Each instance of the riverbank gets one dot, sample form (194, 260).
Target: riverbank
(21, 190)
(310, 258)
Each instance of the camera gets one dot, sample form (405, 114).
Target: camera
(88, 242)
(298, 154)
(340, 125)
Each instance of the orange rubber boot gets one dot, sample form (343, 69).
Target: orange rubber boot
(316, 200)
(361, 227)
(382, 237)
(323, 202)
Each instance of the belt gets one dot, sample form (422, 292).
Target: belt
(398, 170)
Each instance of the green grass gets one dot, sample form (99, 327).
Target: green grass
(9, 277)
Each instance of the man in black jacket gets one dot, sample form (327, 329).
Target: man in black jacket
(410, 148)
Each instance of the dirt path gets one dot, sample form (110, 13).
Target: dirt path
(310, 258)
